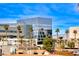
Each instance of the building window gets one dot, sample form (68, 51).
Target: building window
(43, 35)
(2, 30)
(40, 42)
(38, 39)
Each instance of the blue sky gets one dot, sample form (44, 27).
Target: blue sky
(64, 15)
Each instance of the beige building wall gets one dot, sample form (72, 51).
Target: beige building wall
(11, 28)
(71, 34)
(8, 33)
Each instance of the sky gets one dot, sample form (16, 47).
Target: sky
(64, 15)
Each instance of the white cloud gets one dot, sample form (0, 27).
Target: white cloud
(7, 20)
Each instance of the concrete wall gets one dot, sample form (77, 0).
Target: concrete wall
(7, 49)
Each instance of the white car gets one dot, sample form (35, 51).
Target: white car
(76, 52)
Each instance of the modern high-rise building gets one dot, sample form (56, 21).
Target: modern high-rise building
(41, 26)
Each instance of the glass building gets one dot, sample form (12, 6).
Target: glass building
(42, 26)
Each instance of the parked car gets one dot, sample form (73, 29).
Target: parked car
(76, 52)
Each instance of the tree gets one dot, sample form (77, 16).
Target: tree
(67, 32)
(71, 44)
(19, 36)
(6, 29)
(57, 31)
(75, 32)
(60, 41)
(30, 30)
(48, 44)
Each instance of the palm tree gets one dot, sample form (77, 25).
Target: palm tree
(61, 39)
(19, 30)
(30, 35)
(57, 31)
(67, 32)
(30, 30)
(75, 32)
(6, 29)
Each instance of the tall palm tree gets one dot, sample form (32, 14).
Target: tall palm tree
(30, 30)
(75, 32)
(30, 36)
(67, 32)
(6, 29)
(57, 31)
(19, 31)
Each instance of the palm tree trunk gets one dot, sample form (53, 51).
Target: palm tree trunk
(30, 43)
(57, 35)
(66, 36)
(75, 36)
(3, 41)
(18, 36)
(6, 37)
(31, 40)
(21, 42)
(3, 44)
